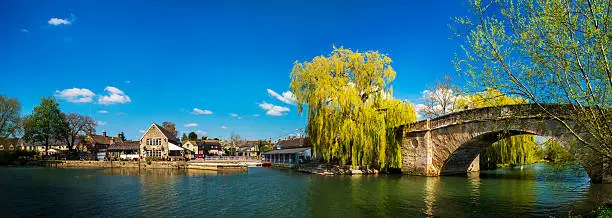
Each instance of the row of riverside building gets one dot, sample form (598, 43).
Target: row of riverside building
(157, 143)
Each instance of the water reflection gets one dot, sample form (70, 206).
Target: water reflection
(540, 190)
(431, 188)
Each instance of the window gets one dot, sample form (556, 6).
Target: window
(154, 141)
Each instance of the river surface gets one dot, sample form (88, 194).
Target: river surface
(537, 190)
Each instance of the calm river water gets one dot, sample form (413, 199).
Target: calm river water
(538, 190)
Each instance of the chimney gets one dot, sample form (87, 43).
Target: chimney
(104, 133)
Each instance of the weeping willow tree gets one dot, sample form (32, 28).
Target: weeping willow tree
(352, 117)
(513, 150)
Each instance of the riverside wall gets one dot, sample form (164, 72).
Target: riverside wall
(119, 164)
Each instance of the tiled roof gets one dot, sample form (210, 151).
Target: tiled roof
(10, 141)
(209, 142)
(167, 133)
(52, 142)
(288, 151)
(100, 139)
(293, 143)
(123, 146)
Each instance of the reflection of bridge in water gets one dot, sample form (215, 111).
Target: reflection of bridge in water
(451, 144)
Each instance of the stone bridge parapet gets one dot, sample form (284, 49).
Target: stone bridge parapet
(451, 144)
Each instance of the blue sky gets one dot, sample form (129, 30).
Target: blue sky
(154, 61)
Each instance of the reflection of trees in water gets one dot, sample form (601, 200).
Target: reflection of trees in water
(431, 189)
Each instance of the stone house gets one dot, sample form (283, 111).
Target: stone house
(157, 142)
(97, 145)
(210, 147)
(249, 148)
(191, 147)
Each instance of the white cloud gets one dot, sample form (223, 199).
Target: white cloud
(101, 123)
(223, 127)
(198, 111)
(58, 21)
(115, 96)
(75, 95)
(103, 112)
(256, 115)
(233, 114)
(191, 125)
(24, 30)
(201, 133)
(273, 110)
(141, 131)
(127, 82)
(286, 97)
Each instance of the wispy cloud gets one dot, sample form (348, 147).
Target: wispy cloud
(141, 131)
(127, 82)
(103, 112)
(223, 127)
(233, 114)
(75, 95)
(273, 110)
(24, 30)
(101, 123)
(114, 96)
(198, 111)
(286, 97)
(201, 133)
(61, 21)
(191, 125)
(256, 115)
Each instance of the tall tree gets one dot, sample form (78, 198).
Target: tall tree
(46, 123)
(77, 123)
(235, 139)
(10, 120)
(171, 127)
(193, 136)
(553, 51)
(184, 137)
(440, 99)
(352, 116)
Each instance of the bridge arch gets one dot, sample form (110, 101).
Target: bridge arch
(449, 144)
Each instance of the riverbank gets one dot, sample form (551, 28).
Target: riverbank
(329, 169)
(140, 165)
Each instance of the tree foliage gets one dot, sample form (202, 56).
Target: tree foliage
(10, 120)
(352, 117)
(557, 153)
(46, 123)
(77, 123)
(440, 99)
(193, 136)
(554, 51)
(170, 127)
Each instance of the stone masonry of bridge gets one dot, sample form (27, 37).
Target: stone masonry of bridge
(451, 144)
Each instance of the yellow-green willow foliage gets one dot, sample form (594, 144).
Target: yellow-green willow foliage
(352, 117)
(514, 150)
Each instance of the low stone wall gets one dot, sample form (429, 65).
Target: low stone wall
(327, 169)
(120, 164)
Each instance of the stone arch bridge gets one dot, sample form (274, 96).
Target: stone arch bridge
(451, 144)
